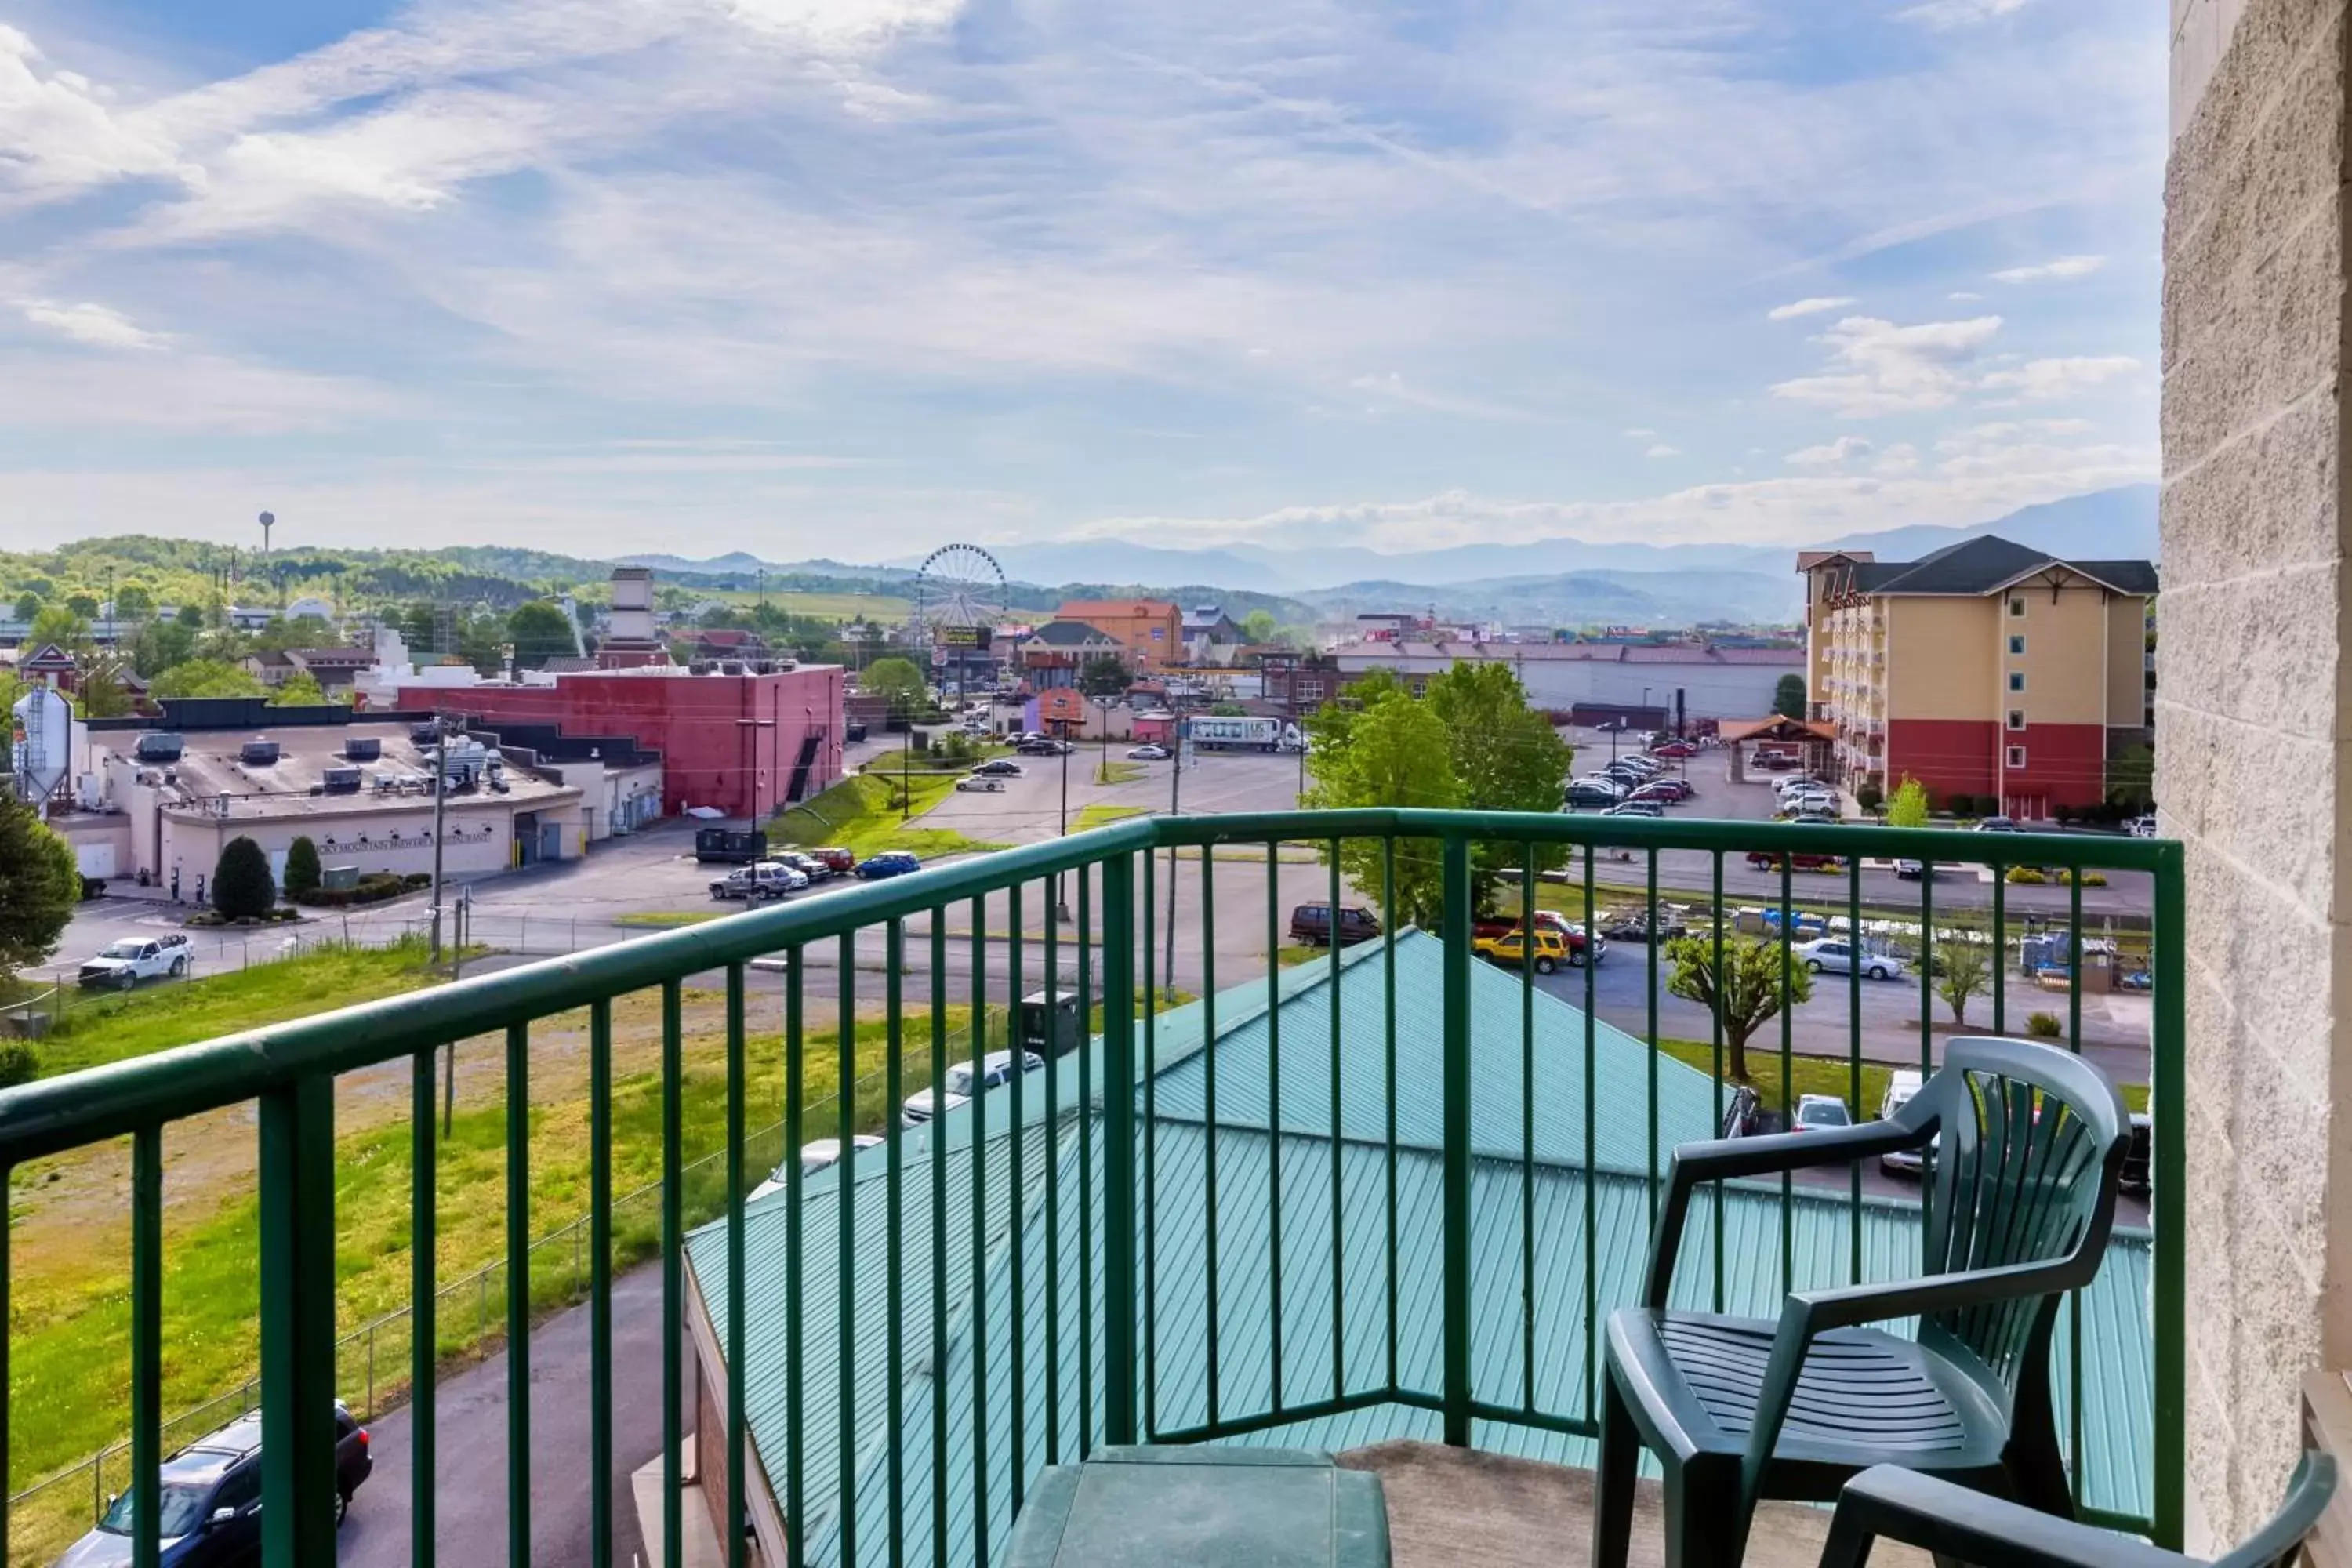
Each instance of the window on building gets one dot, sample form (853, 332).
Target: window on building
(2017, 718)
(1311, 692)
(2017, 680)
(2017, 605)
(2017, 756)
(2017, 646)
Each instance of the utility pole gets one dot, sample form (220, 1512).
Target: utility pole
(440, 794)
(1063, 741)
(1175, 792)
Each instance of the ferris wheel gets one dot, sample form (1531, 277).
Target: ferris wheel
(958, 593)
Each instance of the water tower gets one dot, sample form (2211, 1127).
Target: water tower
(269, 522)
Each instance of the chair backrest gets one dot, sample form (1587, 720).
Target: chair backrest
(2030, 1143)
(2274, 1545)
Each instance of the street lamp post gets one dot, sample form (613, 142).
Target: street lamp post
(748, 728)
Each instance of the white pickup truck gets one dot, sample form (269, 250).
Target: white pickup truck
(125, 963)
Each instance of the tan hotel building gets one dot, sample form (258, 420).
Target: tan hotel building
(1987, 669)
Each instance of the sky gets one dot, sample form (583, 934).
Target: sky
(852, 279)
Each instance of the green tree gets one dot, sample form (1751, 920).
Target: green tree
(1907, 807)
(190, 617)
(1963, 969)
(83, 604)
(302, 869)
(100, 693)
(28, 604)
(540, 631)
(1507, 755)
(39, 885)
(1759, 979)
(1397, 752)
(242, 888)
(132, 602)
(899, 682)
(1105, 675)
(1789, 696)
(205, 678)
(302, 631)
(2131, 780)
(1869, 796)
(1260, 625)
(60, 625)
(160, 644)
(299, 689)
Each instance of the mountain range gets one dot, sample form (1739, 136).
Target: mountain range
(1561, 580)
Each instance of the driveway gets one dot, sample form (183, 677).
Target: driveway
(471, 1457)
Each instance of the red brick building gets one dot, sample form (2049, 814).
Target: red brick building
(747, 744)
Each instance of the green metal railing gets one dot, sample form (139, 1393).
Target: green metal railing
(1144, 1290)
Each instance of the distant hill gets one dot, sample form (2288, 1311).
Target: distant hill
(2105, 525)
(1581, 598)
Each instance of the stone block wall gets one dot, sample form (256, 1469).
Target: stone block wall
(2252, 623)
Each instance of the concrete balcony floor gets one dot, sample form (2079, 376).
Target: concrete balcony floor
(1457, 1508)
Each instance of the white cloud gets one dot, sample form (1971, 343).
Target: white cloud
(1836, 454)
(1960, 13)
(100, 326)
(2063, 269)
(62, 134)
(1640, 434)
(1660, 450)
(1877, 367)
(1807, 308)
(1963, 296)
(2047, 380)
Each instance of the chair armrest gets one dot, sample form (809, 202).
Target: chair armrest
(1853, 1304)
(1725, 1159)
(1966, 1526)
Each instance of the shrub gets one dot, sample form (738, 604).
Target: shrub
(1869, 797)
(2044, 1026)
(2027, 876)
(417, 879)
(242, 888)
(20, 1062)
(302, 868)
(2062, 815)
(2064, 878)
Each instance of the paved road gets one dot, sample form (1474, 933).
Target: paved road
(470, 1459)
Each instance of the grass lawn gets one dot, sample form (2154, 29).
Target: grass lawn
(665, 920)
(95, 1030)
(1817, 1075)
(1118, 773)
(863, 814)
(1104, 815)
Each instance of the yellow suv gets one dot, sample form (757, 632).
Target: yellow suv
(1508, 949)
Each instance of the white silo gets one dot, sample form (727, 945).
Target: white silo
(46, 753)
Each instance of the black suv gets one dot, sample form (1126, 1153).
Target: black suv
(209, 1504)
(1311, 924)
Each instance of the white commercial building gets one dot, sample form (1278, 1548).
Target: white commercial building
(1716, 682)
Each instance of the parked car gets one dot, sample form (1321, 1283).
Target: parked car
(1814, 817)
(1510, 948)
(1836, 955)
(1794, 783)
(1674, 748)
(1814, 803)
(810, 865)
(1820, 1112)
(1802, 860)
(1738, 1114)
(962, 1082)
(2134, 1177)
(888, 863)
(999, 768)
(1673, 791)
(815, 1157)
(123, 963)
(1585, 796)
(1637, 927)
(1916, 871)
(1636, 808)
(837, 860)
(1311, 924)
(1147, 754)
(1042, 746)
(208, 1499)
(1571, 935)
(1997, 824)
(1901, 1084)
(761, 881)
(982, 782)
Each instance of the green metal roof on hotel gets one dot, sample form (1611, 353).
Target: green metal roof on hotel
(1621, 1065)
(1173, 1264)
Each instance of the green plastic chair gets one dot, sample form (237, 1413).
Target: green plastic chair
(2028, 1141)
(1890, 1503)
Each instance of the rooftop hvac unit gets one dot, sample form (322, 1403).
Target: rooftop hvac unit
(698, 667)
(423, 734)
(763, 667)
(257, 753)
(159, 746)
(731, 666)
(340, 781)
(364, 747)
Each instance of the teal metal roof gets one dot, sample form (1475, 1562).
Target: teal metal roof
(980, 1369)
